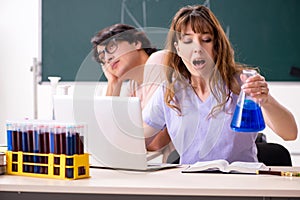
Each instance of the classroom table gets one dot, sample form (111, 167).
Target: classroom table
(164, 184)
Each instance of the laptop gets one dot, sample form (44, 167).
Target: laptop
(115, 136)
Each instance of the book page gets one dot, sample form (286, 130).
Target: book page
(245, 167)
(208, 165)
(224, 166)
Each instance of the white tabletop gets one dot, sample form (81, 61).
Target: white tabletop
(164, 182)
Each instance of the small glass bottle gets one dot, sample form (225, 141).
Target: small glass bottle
(247, 116)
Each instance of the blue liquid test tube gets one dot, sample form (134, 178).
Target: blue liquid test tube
(9, 130)
(70, 149)
(52, 134)
(75, 139)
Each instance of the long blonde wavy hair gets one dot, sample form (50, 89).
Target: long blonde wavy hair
(225, 71)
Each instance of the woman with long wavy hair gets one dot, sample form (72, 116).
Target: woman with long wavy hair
(197, 101)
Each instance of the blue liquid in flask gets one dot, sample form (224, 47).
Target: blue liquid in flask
(248, 117)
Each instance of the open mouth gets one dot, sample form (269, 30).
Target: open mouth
(198, 62)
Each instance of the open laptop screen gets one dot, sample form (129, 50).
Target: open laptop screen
(115, 135)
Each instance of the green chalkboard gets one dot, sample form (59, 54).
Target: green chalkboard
(264, 33)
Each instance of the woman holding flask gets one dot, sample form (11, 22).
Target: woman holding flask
(197, 102)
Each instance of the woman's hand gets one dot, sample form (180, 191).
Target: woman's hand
(276, 116)
(257, 87)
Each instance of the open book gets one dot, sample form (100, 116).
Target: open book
(224, 166)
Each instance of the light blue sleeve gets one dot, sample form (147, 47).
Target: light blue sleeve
(153, 113)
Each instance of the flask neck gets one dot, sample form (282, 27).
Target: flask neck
(248, 73)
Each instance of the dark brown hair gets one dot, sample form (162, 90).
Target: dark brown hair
(123, 32)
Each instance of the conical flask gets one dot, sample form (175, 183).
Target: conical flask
(247, 116)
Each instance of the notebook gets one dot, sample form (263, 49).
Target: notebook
(115, 137)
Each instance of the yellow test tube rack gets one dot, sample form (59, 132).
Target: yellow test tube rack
(52, 165)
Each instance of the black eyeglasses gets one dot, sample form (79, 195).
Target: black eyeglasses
(110, 47)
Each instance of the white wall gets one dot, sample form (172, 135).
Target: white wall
(19, 32)
(18, 45)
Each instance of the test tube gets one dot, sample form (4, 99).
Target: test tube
(14, 138)
(36, 148)
(30, 138)
(19, 137)
(52, 133)
(41, 146)
(56, 148)
(9, 130)
(46, 139)
(14, 146)
(44, 146)
(70, 149)
(80, 144)
(70, 136)
(80, 132)
(25, 149)
(75, 139)
(63, 140)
